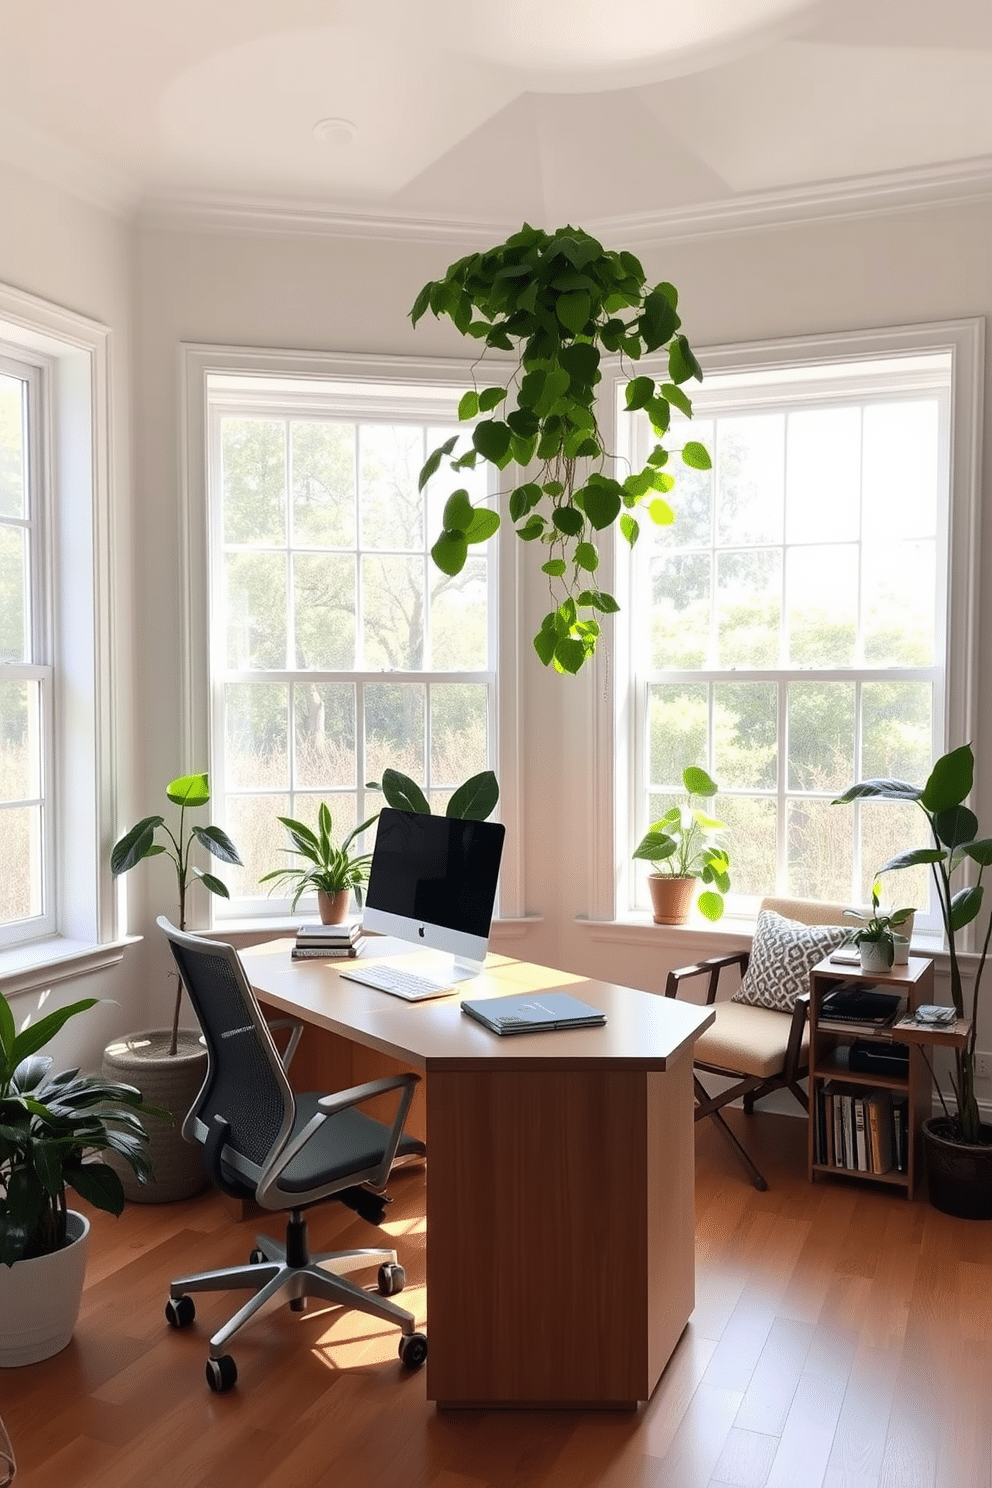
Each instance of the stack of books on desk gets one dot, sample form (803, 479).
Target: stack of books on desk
(853, 1002)
(321, 942)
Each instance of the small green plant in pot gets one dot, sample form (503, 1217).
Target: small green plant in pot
(686, 844)
(963, 1187)
(878, 932)
(333, 873)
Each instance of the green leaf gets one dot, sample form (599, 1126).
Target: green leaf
(98, 1184)
(630, 528)
(532, 528)
(677, 398)
(468, 405)
(980, 852)
(213, 884)
(433, 461)
(136, 844)
(568, 519)
(556, 384)
(660, 415)
(523, 499)
(554, 567)
(216, 841)
(966, 906)
(659, 321)
(710, 904)
(476, 799)
(698, 783)
(484, 523)
(544, 645)
(580, 360)
(573, 310)
(598, 599)
(696, 455)
(681, 363)
(880, 790)
(421, 303)
(955, 827)
(569, 654)
(522, 450)
(951, 780)
(402, 793)
(458, 512)
(490, 397)
(450, 552)
(587, 557)
(639, 392)
(660, 512)
(492, 439)
(188, 790)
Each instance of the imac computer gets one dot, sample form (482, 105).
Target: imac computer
(432, 882)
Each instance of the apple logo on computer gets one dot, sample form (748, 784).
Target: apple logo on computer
(420, 931)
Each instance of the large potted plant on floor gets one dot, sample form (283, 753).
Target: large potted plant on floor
(169, 1064)
(683, 846)
(957, 1144)
(52, 1128)
(559, 301)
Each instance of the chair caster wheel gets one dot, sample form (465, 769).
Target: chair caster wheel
(180, 1312)
(413, 1350)
(392, 1279)
(222, 1374)
(257, 1257)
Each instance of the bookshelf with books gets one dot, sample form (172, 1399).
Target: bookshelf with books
(869, 1090)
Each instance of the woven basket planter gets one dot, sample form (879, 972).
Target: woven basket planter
(172, 1082)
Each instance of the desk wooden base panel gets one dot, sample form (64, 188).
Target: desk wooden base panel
(559, 1234)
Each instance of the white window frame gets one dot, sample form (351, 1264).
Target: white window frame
(613, 809)
(201, 693)
(77, 625)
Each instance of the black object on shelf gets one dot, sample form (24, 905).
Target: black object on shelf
(868, 1056)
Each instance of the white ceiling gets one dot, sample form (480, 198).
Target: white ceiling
(467, 112)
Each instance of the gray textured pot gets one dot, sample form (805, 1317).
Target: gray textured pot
(172, 1082)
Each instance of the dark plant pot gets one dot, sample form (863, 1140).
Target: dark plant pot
(671, 898)
(959, 1174)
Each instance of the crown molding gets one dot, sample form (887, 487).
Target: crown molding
(39, 155)
(907, 190)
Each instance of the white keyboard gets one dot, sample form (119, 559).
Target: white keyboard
(405, 984)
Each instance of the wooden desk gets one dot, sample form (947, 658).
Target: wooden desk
(560, 1266)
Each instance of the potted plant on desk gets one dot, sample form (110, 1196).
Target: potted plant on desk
(334, 873)
(169, 1064)
(958, 1144)
(52, 1128)
(684, 845)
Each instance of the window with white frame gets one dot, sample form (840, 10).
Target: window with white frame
(797, 627)
(337, 648)
(26, 857)
(58, 644)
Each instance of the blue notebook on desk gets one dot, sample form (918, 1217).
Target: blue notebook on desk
(531, 1012)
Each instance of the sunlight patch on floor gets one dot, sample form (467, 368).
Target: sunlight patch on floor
(351, 1338)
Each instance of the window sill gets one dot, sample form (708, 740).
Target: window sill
(31, 968)
(728, 934)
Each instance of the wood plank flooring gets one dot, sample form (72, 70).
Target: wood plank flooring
(842, 1338)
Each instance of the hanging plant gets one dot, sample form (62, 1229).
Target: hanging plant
(560, 300)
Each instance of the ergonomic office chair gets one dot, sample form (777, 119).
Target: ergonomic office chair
(286, 1151)
(760, 1039)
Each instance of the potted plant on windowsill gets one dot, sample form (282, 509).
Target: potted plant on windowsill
(877, 937)
(474, 800)
(684, 845)
(170, 1064)
(51, 1128)
(958, 1144)
(332, 872)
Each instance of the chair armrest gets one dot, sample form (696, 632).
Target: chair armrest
(799, 1015)
(358, 1093)
(294, 1038)
(711, 968)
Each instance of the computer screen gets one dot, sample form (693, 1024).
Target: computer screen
(433, 882)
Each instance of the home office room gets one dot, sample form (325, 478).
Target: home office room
(461, 478)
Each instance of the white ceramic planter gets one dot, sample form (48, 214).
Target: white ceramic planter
(873, 958)
(39, 1299)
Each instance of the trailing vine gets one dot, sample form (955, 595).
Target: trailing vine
(560, 300)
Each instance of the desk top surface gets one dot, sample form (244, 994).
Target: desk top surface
(643, 1029)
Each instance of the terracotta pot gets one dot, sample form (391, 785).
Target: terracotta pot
(333, 908)
(959, 1174)
(39, 1299)
(671, 898)
(172, 1082)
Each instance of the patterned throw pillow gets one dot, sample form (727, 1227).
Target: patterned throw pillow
(783, 952)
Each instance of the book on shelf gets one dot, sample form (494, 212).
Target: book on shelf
(840, 1154)
(880, 1130)
(900, 1132)
(317, 952)
(860, 1144)
(850, 1002)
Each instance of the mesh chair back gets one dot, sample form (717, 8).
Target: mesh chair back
(246, 1085)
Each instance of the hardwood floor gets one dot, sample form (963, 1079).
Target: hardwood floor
(842, 1338)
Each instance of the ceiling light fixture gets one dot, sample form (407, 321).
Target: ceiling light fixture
(338, 132)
